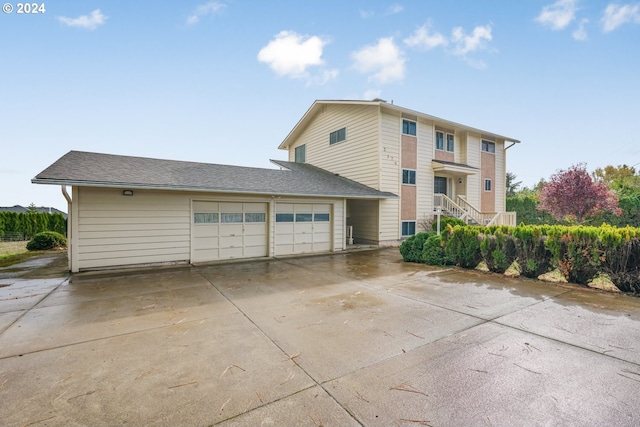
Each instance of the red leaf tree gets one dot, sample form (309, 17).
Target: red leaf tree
(573, 194)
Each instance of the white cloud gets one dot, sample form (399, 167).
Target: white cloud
(558, 15)
(615, 15)
(291, 54)
(422, 38)
(209, 8)
(324, 77)
(464, 44)
(395, 8)
(383, 61)
(581, 34)
(89, 22)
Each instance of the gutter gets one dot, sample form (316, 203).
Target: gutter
(65, 194)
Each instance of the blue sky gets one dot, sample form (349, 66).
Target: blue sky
(224, 81)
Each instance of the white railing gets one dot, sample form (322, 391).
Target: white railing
(468, 213)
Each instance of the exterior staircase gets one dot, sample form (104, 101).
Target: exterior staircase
(468, 213)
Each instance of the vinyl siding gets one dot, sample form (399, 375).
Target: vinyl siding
(474, 184)
(356, 157)
(501, 175)
(148, 227)
(155, 226)
(390, 132)
(424, 172)
(363, 215)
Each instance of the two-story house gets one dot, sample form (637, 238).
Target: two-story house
(431, 163)
(367, 166)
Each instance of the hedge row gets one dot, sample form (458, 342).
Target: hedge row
(580, 253)
(24, 226)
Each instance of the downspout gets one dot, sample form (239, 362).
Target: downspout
(69, 224)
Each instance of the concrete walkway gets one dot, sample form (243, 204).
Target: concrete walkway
(345, 340)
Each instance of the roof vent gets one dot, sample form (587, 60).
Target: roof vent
(379, 100)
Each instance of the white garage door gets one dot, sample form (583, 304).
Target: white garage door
(302, 228)
(226, 230)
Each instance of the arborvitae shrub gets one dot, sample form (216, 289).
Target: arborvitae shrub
(433, 251)
(411, 248)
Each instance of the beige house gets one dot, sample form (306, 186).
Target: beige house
(431, 163)
(131, 211)
(358, 172)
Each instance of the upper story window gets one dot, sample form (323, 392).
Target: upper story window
(337, 136)
(487, 184)
(408, 176)
(440, 138)
(301, 153)
(488, 146)
(450, 143)
(408, 127)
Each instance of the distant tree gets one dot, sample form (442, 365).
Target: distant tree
(573, 194)
(32, 208)
(512, 185)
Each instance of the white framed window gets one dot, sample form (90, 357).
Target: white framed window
(488, 146)
(337, 136)
(408, 228)
(450, 143)
(408, 176)
(205, 218)
(439, 140)
(487, 184)
(301, 153)
(408, 127)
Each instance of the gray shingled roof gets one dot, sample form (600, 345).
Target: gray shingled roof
(78, 168)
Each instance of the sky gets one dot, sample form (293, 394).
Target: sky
(224, 81)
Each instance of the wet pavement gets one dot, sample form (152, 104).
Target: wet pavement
(357, 339)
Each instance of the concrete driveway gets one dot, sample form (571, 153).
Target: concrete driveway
(343, 340)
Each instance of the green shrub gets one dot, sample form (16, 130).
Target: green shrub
(531, 252)
(411, 248)
(46, 240)
(433, 251)
(463, 246)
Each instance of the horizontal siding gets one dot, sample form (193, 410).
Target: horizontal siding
(474, 184)
(363, 216)
(147, 227)
(390, 134)
(339, 236)
(356, 157)
(424, 172)
(501, 174)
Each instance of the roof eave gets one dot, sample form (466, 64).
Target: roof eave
(130, 186)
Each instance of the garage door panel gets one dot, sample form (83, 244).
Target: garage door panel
(225, 230)
(303, 228)
(206, 231)
(206, 243)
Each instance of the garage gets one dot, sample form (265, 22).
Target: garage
(227, 230)
(302, 228)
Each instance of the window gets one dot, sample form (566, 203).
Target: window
(408, 176)
(439, 141)
(408, 127)
(301, 153)
(408, 228)
(450, 144)
(205, 218)
(337, 136)
(230, 217)
(321, 217)
(304, 217)
(487, 185)
(254, 217)
(488, 146)
(284, 217)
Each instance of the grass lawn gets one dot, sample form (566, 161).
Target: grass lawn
(13, 252)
